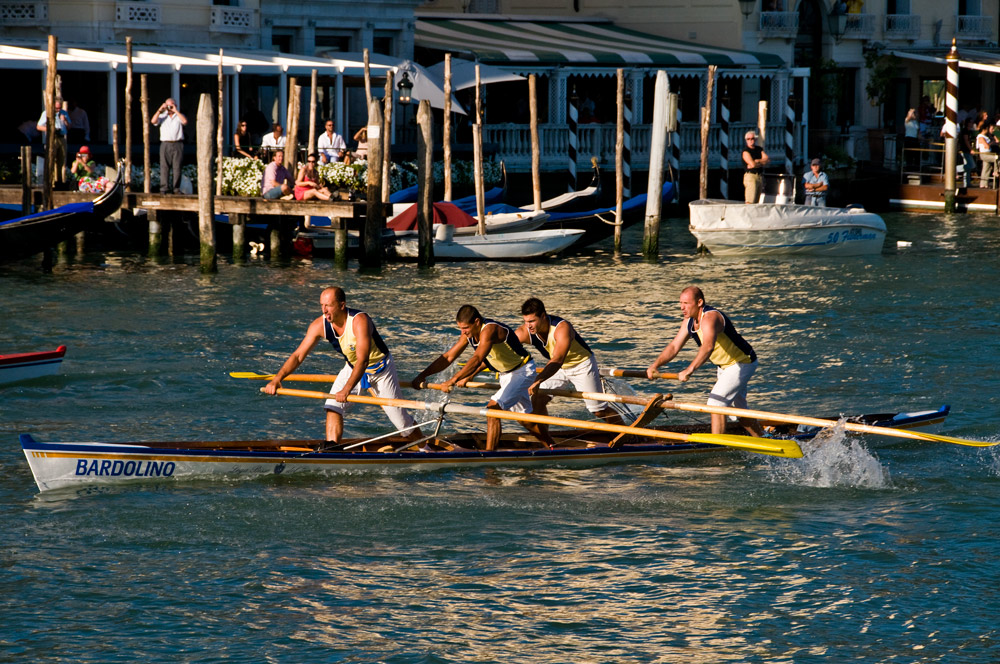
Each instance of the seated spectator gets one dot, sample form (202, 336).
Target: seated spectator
(277, 181)
(307, 183)
(331, 146)
(242, 143)
(84, 173)
(361, 136)
(275, 139)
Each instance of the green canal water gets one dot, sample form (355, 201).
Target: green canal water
(862, 551)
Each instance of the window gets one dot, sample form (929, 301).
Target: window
(970, 8)
(332, 42)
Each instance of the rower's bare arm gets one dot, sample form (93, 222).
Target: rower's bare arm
(443, 361)
(711, 325)
(487, 337)
(670, 351)
(362, 349)
(563, 335)
(313, 335)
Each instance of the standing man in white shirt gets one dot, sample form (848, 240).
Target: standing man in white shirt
(171, 123)
(331, 145)
(58, 137)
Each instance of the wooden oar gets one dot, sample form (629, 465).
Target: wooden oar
(817, 422)
(635, 373)
(773, 447)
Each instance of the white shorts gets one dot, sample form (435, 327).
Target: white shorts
(584, 377)
(513, 392)
(731, 385)
(385, 384)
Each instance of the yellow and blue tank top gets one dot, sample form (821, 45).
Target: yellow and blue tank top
(506, 355)
(578, 351)
(730, 348)
(346, 343)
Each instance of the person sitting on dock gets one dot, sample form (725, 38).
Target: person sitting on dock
(331, 146)
(369, 364)
(755, 160)
(571, 363)
(816, 184)
(277, 181)
(361, 136)
(718, 341)
(307, 184)
(495, 347)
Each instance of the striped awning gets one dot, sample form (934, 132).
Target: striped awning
(594, 42)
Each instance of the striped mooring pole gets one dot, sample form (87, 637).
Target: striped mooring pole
(789, 136)
(675, 145)
(950, 129)
(574, 116)
(627, 147)
(724, 146)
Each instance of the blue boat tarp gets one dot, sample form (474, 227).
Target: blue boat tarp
(631, 204)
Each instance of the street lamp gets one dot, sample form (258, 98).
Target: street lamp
(746, 6)
(405, 87)
(837, 19)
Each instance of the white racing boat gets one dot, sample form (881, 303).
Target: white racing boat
(731, 228)
(493, 246)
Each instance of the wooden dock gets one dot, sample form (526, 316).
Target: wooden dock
(338, 211)
(931, 197)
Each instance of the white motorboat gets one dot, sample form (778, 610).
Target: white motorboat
(731, 228)
(493, 246)
(503, 219)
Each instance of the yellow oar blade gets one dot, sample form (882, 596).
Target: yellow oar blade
(301, 378)
(955, 441)
(774, 447)
(252, 375)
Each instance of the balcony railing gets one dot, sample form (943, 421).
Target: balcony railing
(24, 13)
(859, 26)
(779, 24)
(141, 15)
(902, 26)
(232, 19)
(974, 27)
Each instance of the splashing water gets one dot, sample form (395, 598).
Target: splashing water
(832, 459)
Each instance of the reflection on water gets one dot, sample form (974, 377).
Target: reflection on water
(728, 557)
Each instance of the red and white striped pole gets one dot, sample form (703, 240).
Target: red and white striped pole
(950, 129)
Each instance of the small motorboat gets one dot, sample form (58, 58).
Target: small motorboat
(598, 224)
(731, 228)
(493, 246)
(25, 366)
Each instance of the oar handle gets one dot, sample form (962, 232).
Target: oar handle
(635, 373)
(591, 396)
(784, 448)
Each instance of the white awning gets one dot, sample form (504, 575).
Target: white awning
(147, 60)
(978, 60)
(506, 40)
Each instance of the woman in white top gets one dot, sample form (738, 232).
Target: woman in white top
(984, 146)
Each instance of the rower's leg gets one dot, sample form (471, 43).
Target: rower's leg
(540, 432)
(540, 406)
(609, 415)
(334, 426)
(718, 423)
(493, 429)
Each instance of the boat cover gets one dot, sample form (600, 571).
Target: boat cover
(444, 213)
(733, 215)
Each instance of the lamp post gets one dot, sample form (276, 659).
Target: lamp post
(405, 87)
(837, 20)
